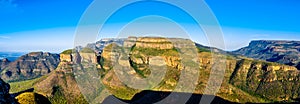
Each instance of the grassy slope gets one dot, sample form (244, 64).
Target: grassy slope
(24, 85)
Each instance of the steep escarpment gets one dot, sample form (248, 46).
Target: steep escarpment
(3, 63)
(269, 80)
(285, 52)
(157, 43)
(245, 80)
(61, 86)
(30, 66)
(141, 61)
(127, 69)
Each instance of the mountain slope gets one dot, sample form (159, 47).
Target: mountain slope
(60, 86)
(245, 79)
(3, 63)
(285, 52)
(30, 66)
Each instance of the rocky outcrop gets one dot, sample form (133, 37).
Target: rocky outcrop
(3, 63)
(5, 97)
(285, 52)
(270, 80)
(30, 66)
(60, 85)
(88, 57)
(66, 57)
(130, 41)
(154, 42)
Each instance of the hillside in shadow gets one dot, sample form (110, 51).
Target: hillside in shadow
(150, 97)
(160, 97)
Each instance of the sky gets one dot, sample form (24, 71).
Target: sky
(50, 25)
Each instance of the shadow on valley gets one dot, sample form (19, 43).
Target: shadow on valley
(18, 93)
(150, 97)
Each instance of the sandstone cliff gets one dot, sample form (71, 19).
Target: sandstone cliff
(157, 43)
(245, 80)
(61, 85)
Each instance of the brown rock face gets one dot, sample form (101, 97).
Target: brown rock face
(61, 83)
(154, 42)
(88, 57)
(3, 63)
(130, 41)
(30, 66)
(5, 97)
(66, 57)
(244, 77)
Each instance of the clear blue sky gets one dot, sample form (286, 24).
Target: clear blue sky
(49, 25)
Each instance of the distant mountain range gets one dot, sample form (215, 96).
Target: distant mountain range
(284, 52)
(28, 66)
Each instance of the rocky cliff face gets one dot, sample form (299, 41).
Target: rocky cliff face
(31, 65)
(157, 43)
(61, 85)
(249, 79)
(285, 52)
(66, 57)
(245, 79)
(5, 97)
(270, 80)
(3, 63)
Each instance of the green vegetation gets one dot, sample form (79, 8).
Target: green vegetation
(246, 80)
(32, 98)
(87, 50)
(24, 85)
(58, 96)
(203, 50)
(121, 92)
(69, 51)
(155, 52)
